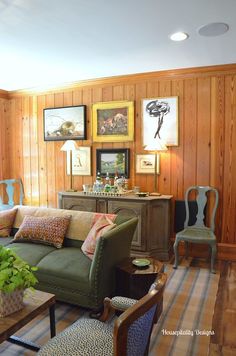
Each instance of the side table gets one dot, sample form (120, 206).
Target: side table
(134, 282)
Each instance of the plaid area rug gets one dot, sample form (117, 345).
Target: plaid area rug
(184, 328)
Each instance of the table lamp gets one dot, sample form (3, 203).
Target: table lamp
(70, 146)
(156, 146)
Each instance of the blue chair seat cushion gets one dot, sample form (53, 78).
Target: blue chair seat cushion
(86, 337)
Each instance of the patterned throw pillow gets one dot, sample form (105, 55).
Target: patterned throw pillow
(101, 226)
(7, 218)
(46, 230)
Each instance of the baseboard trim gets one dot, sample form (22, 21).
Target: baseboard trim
(225, 251)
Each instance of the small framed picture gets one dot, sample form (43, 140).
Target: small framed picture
(160, 120)
(113, 121)
(81, 162)
(114, 161)
(67, 123)
(145, 164)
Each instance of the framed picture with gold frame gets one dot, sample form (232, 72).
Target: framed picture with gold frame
(113, 121)
(145, 164)
(160, 120)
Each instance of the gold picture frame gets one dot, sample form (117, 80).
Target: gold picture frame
(113, 121)
(145, 164)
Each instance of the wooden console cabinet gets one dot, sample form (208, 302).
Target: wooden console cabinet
(152, 236)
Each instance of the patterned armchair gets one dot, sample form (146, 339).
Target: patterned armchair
(128, 334)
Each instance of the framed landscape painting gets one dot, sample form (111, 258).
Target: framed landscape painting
(113, 161)
(66, 123)
(113, 121)
(160, 120)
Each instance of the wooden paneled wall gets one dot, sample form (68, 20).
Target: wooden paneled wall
(206, 154)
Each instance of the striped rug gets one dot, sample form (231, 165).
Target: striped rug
(185, 326)
(189, 301)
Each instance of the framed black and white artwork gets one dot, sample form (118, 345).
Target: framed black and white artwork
(160, 120)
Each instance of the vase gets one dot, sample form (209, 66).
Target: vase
(11, 302)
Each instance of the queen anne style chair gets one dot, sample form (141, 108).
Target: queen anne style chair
(199, 232)
(10, 186)
(126, 335)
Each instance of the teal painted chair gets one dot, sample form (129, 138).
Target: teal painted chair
(126, 335)
(8, 191)
(199, 232)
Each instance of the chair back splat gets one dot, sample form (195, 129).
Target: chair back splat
(10, 186)
(201, 201)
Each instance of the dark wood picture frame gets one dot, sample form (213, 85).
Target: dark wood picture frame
(112, 167)
(65, 123)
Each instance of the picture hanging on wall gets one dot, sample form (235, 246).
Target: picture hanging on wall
(81, 161)
(160, 120)
(113, 121)
(145, 163)
(66, 123)
(113, 161)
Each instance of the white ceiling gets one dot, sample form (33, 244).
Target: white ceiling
(50, 42)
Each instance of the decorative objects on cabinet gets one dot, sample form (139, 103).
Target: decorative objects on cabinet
(113, 121)
(70, 146)
(113, 161)
(65, 123)
(152, 236)
(160, 120)
(81, 161)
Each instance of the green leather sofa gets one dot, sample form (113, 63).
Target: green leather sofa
(67, 272)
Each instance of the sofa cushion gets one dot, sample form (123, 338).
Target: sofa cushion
(31, 253)
(7, 218)
(67, 267)
(80, 224)
(101, 226)
(46, 230)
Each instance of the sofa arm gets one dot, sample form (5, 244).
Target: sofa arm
(112, 248)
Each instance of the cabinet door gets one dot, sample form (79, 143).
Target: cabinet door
(132, 209)
(81, 204)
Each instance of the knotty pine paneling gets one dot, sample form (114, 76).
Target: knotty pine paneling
(207, 137)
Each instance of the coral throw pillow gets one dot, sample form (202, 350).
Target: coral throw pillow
(7, 218)
(45, 230)
(100, 227)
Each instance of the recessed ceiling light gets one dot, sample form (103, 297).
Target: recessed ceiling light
(179, 36)
(213, 29)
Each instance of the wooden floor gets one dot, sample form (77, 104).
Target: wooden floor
(224, 319)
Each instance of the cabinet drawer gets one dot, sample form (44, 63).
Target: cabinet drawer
(79, 204)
